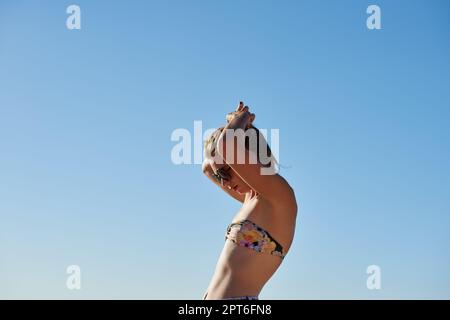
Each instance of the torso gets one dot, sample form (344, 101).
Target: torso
(241, 271)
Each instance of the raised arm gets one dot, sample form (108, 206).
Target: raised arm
(271, 186)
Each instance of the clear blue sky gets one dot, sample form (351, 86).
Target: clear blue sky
(86, 116)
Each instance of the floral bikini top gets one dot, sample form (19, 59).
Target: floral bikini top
(249, 235)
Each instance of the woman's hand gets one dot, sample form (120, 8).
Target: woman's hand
(239, 110)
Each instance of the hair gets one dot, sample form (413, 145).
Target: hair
(210, 145)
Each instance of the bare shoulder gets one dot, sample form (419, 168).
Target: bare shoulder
(284, 198)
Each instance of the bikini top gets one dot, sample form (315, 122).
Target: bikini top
(249, 235)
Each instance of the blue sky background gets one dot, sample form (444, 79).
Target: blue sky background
(86, 116)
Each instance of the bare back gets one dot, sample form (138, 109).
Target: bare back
(241, 271)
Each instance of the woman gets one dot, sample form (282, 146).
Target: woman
(261, 233)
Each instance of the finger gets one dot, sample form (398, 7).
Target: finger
(240, 106)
